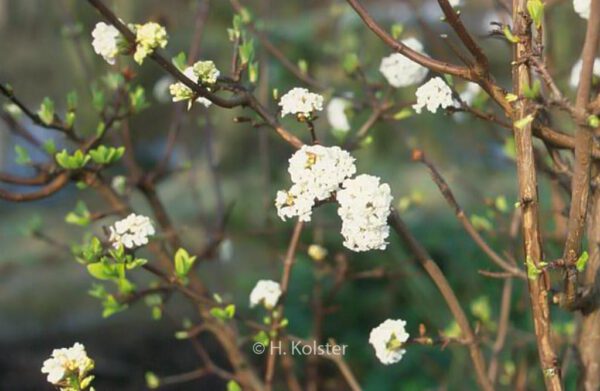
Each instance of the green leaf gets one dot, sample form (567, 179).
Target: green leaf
(533, 270)
(262, 337)
(533, 91)
(246, 51)
(152, 381)
(501, 204)
(70, 119)
(101, 270)
(303, 66)
(582, 261)
(397, 30)
(98, 99)
(72, 162)
(22, 155)
(46, 111)
(403, 114)
(509, 35)
(253, 69)
(593, 121)
(350, 63)
(230, 311)
(233, 386)
(180, 61)
(80, 216)
(72, 101)
(481, 223)
(49, 146)
(511, 98)
(183, 262)
(523, 122)
(536, 11)
(138, 99)
(106, 155)
(111, 306)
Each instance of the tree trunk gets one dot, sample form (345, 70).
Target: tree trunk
(589, 338)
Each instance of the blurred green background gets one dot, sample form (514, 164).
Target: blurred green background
(46, 51)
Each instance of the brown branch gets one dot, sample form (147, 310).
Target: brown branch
(288, 263)
(584, 138)
(243, 98)
(434, 65)
(418, 155)
(457, 25)
(526, 172)
(438, 278)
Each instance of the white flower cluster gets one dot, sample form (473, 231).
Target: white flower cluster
(316, 172)
(300, 102)
(336, 114)
(68, 363)
(576, 72)
(131, 232)
(455, 3)
(203, 72)
(387, 340)
(148, 37)
(106, 41)
(399, 70)
(364, 209)
(266, 292)
(433, 94)
(582, 7)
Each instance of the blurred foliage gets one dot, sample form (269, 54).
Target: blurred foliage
(48, 57)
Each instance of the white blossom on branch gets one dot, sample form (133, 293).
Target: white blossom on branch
(433, 95)
(388, 339)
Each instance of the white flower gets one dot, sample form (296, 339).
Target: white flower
(582, 7)
(400, 71)
(455, 3)
(576, 72)
(106, 41)
(148, 37)
(433, 94)
(321, 169)
(266, 292)
(203, 72)
(387, 340)
(131, 232)
(300, 102)
(298, 201)
(66, 362)
(316, 172)
(336, 114)
(206, 72)
(364, 209)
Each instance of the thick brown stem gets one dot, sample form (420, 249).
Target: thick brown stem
(580, 187)
(528, 198)
(589, 336)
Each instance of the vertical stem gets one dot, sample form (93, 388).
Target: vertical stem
(288, 262)
(589, 336)
(528, 198)
(580, 187)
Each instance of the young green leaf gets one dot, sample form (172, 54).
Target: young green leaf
(535, 8)
(582, 261)
(46, 111)
(183, 262)
(22, 155)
